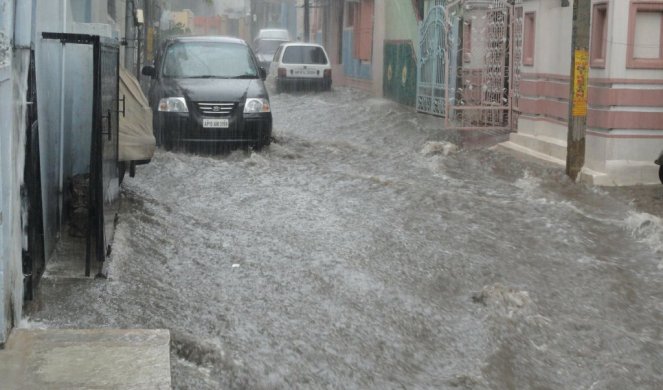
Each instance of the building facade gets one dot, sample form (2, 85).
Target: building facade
(625, 98)
(373, 44)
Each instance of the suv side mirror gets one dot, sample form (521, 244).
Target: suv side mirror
(263, 73)
(148, 70)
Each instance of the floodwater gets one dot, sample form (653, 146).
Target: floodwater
(363, 250)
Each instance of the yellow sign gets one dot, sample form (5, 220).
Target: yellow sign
(580, 81)
(149, 50)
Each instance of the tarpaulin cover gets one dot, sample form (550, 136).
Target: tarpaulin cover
(136, 137)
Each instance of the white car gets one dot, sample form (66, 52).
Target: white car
(301, 65)
(274, 33)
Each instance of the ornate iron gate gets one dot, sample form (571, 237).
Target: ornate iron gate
(431, 67)
(476, 49)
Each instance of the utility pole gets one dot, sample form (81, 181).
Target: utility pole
(307, 21)
(575, 149)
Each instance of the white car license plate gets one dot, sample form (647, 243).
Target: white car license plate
(215, 123)
(305, 72)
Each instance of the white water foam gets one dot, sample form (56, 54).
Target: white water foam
(26, 323)
(646, 229)
(528, 183)
(435, 148)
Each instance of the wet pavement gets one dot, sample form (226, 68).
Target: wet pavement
(363, 250)
(101, 359)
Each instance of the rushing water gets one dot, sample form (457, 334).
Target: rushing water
(362, 250)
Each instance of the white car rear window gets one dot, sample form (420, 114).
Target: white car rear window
(309, 55)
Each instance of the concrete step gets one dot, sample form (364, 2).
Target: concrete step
(543, 129)
(519, 150)
(86, 358)
(549, 146)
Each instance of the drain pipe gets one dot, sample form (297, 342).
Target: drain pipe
(63, 64)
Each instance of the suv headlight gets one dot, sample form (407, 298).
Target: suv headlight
(254, 106)
(173, 104)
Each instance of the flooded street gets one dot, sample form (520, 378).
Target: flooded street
(363, 250)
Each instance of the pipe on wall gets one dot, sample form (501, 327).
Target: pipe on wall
(63, 64)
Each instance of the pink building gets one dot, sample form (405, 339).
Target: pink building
(209, 25)
(625, 112)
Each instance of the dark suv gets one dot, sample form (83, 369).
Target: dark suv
(207, 92)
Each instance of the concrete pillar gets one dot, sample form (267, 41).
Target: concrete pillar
(379, 20)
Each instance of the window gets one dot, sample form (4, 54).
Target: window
(208, 60)
(645, 35)
(363, 31)
(599, 35)
(529, 38)
(277, 55)
(268, 46)
(310, 55)
(350, 14)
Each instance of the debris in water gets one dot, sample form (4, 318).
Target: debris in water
(498, 295)
(235, 265)
(433, 148)
(79, 205)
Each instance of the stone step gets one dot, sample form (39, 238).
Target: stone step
(519, 150)
(86, 358)
(549, 146)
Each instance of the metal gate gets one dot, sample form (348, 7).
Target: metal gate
(104, 187)
(431, 68)
(34, 254)
(477, 63)
(104, 173)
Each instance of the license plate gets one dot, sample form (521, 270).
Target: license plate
(215, 123)
(305, 72)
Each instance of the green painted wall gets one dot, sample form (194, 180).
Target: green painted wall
(400, 72)
(400, 52)
(401, 23)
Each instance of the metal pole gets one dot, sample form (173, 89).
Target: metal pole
(575, 149)
(138, 57)
(129, 34)
(307, 21)
(511, 64)
(63, 77)
(92, 235)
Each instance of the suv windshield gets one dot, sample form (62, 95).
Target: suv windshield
(208, 60)
(268, 46)
(312, 55)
